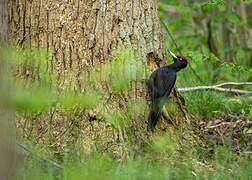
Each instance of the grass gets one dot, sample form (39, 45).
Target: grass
(205, 104)
(224, 165)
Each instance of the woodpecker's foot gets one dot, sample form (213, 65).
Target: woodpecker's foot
(167, 117)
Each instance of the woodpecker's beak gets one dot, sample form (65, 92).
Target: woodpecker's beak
(172, 54)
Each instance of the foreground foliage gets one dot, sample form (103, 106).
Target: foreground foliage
(223, 164)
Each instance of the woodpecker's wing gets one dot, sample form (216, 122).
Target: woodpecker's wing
(161, 82)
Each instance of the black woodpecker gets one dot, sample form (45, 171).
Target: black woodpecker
(160, 84)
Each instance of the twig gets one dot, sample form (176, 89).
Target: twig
(123, 143)
(234, 83)
(247, 152)
(28, 151)
(218, 87)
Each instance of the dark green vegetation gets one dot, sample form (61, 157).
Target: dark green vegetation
(188, 26)
(33, 95)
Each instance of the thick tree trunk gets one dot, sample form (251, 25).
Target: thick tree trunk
(82, 35)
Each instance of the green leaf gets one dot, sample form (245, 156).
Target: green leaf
(233, 18)
(241, 53)
(182, 9)
(245, 130)
(198, 57)
(247, 1)
(221, 4)
(208, 6)
(250, 113)
(212, 58)
(217, 18)
(32, 100)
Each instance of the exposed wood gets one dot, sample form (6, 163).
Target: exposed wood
(234, 83)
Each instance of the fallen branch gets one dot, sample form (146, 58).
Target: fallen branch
(28, 151)
(234, 83)
(219, 87)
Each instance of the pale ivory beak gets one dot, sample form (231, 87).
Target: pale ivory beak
(172, 54)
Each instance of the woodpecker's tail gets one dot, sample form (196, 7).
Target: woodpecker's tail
(154, 115)
(152, 120)
(155, 111)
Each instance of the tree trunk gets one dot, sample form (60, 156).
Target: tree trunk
(211, 41)
(81, 35)
(243, 37)
(3, 20)
(7, 124)
(226, 33)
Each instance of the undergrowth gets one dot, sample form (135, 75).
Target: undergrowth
(159, 158)
(223, 165)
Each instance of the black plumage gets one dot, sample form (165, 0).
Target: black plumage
(160, 84)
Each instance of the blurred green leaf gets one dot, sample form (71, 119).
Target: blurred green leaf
(217, 18)
(250, 112)
(32, 99)
(241, 53)
(248, 1)
(212, 58)
(245, 130)
(208, 6)
(233, 17)
(182, 9)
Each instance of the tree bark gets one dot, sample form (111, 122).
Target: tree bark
(81, 35)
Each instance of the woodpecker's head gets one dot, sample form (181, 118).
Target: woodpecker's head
(179, 60)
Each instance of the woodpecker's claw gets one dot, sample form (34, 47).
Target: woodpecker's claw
(172, 54)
